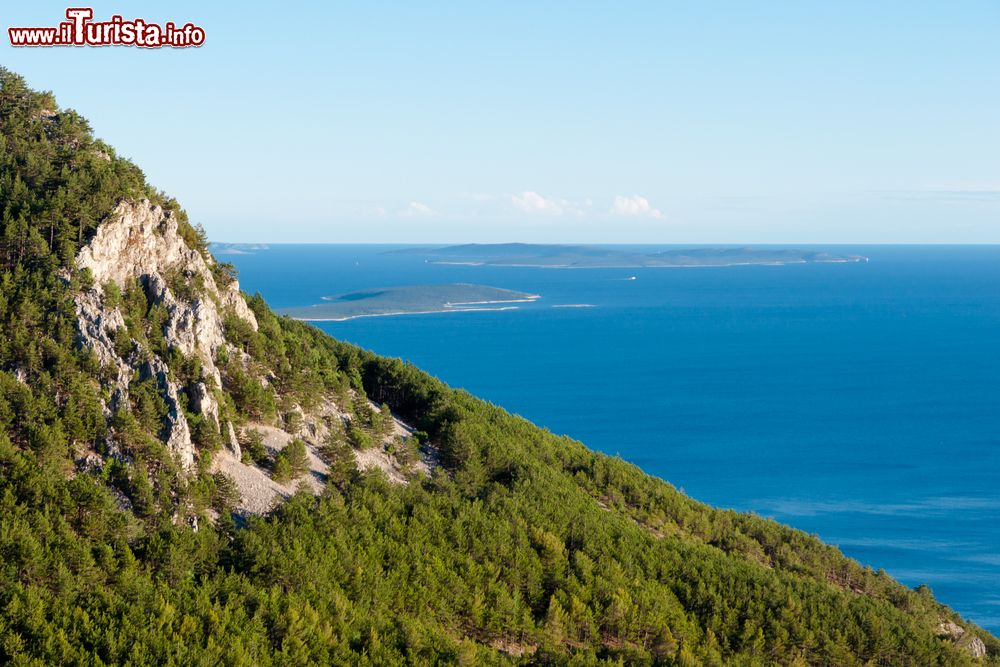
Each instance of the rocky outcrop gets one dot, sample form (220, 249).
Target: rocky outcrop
(177, 432)
(193, 328)
(96, 326)
(975, 646)
(142, 243)
(963, 639)
(233, 442)
(204, 403)
(949, 629)
(234, 301)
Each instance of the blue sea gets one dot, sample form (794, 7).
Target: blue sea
(859, 402)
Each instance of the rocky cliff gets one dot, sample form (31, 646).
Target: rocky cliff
(140, 244)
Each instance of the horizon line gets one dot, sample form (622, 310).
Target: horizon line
(621, 243)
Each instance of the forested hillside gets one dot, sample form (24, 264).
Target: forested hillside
(135, 397)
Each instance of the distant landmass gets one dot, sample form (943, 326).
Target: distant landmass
(596, 257)
(237, 248)
(411, 300)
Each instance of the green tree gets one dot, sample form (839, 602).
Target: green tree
(298, 460)
(281, 470)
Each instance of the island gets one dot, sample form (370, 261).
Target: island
(598, 257)
(237, 248)
(411, 300)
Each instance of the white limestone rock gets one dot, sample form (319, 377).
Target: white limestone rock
(178, 433)
(96, 325)
(204, 403)
(234, 442)
(141, 242)
(963, 639)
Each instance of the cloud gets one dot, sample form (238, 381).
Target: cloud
(635, 206)
(532, 202)
(415, 209)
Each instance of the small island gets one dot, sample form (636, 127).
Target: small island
(597, 257)
(411, 300)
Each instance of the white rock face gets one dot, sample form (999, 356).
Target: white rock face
(950, 629)
(234, 442)
(137, 240)
(964, 640)
(140, 242)
(976, 647)
(231, 298)
(205, 404)
(96, 325)
(177, 430)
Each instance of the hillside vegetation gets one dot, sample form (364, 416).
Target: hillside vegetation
(510, 545)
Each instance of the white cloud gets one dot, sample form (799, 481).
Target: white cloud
(416, 208)
(532, 202)
(635, 206)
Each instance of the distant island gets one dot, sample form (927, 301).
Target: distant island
(596, 257)
(411, 300)
(237, 248)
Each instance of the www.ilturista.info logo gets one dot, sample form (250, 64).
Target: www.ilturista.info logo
(80, 30)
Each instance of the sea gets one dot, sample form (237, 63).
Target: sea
(859, 402)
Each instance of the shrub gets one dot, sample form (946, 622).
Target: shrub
(359, 438)
(297, 458)
(281, 471)
(227, 494)
(252, 446)
(291, 462)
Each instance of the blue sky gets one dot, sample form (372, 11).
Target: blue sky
(666, 122)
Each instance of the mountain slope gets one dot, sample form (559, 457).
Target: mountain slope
(150, 415)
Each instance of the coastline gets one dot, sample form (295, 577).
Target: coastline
(531, 298)
(402, 312)
(859, 260)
